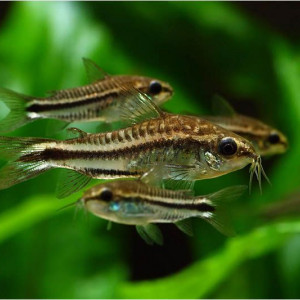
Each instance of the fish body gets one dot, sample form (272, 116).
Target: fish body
(189, 147)
(266, 139)
(182, 148)
(134, 202)
(98, 101)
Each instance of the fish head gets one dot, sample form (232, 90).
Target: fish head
(158, 90)
(272, 142)
(113, 201)
(220, 151)
(229, 153)
(266, 139)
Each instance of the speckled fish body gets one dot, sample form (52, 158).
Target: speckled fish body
(99, 101)
(190, 145)
(184, 148)
(266, 139)
(134, 202)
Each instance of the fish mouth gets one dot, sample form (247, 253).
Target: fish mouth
(257, 169)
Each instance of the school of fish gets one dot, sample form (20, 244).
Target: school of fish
(156, 156)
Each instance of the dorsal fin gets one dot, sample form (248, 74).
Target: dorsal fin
(221, 107)
(76, 131)
(93, 71)
(137, 106)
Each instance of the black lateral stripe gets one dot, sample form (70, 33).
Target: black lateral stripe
(204, 207)
(60, 154)
(39, 107)
(110, 172)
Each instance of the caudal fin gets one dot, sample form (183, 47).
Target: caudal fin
(24, 159)
(219, 217)
(17, 116)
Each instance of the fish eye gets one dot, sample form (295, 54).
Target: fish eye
(227, 146)
(273, 138)
(114, 206)
(155, 87)
(106, 195)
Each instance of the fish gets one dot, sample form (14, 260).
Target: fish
(266, 140)
(181, 148)
(97, 101)
(136, 202)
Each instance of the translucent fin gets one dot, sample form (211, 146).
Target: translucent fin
(109, 225)
(185, 226)
(70, 182)
(14, 147)
(153, 177)
(179, 177)
(219, 218)
(26, 153)
(77, 132)
(55, 126)
(181, 185)
(17, 116)
(151, 234)
(137, 106)
(221, 107)
(93, 71)
(228, 194)
(17, 172)
(68, 205)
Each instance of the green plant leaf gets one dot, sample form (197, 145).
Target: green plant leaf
(202, 277)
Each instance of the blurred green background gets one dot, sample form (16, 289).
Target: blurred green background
(239, 51)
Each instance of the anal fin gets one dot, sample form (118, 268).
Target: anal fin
(151, 234)
(70, 182)
(185, 226)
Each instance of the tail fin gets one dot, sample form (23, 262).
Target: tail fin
(219, 218)
(25, 162)
(17, 115)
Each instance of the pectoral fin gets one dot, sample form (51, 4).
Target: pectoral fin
(177, 177)
(180, 177)
(109, 225)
